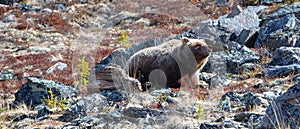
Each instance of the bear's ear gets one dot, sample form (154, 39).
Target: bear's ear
(185, 39)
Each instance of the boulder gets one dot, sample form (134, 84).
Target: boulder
(90, 105)
(36, 89)
(282, 11)
(229, 27)
(285, 61)
(279, 32)
(284, 111)
(285, 56)
(278, 71)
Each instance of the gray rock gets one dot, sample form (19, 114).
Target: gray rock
(230, 124)
(284, 111)
(8, 2)
(120, 17)
(229, 61)
(250, 100)
(270, 1)
(222, 2)
(206, 125)
(248, 119)
(6, 75)
(279, 32)
(114, 96)
(278, 71)
(37, 89)
(285, 56)
(282, 11)
(141, 112)
(110, 76)
(228, 28)
(90, 105)
(236, 10)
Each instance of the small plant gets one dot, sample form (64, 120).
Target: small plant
(53, 102)
(162, 100)
(200, 112)
(124, 39)
(84, 71)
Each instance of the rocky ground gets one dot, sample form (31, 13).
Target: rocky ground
(254, 84)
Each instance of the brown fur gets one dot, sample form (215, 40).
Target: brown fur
(179, 60)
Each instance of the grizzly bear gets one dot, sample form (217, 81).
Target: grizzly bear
(172, 64)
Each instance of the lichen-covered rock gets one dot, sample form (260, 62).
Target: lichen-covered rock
(279, 32)
(284, 111)
(88, 106)
(36, 89)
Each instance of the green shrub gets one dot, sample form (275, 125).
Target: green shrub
(53, 102)
(84, 71)
(124, 39)
(200, 112)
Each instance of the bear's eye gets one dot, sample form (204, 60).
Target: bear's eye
(197, 47)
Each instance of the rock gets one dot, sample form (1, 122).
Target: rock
(236, 10)
(248, 119)
(38, 49)
(6, 75)
(222, 2)
(43, 112)
(58, 65)
(278, 71)
(279, 32)
(228, 99)
(271, 1)
(284, 111)
(282, 11)
(230, 61)
(285, 56)
(225, 104)
(251, 100)
(120, 17)
(113, 77)
(285, 61)
(230, 124)
(26, 7)
(8, 2)
(36, 89)
(206, 125)
(90, 105)
(114, 96)
(141, 112)
(229, 27)
(259, 10)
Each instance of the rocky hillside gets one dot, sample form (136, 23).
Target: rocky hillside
(61, 64)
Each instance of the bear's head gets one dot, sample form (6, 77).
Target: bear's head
(198, 47)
